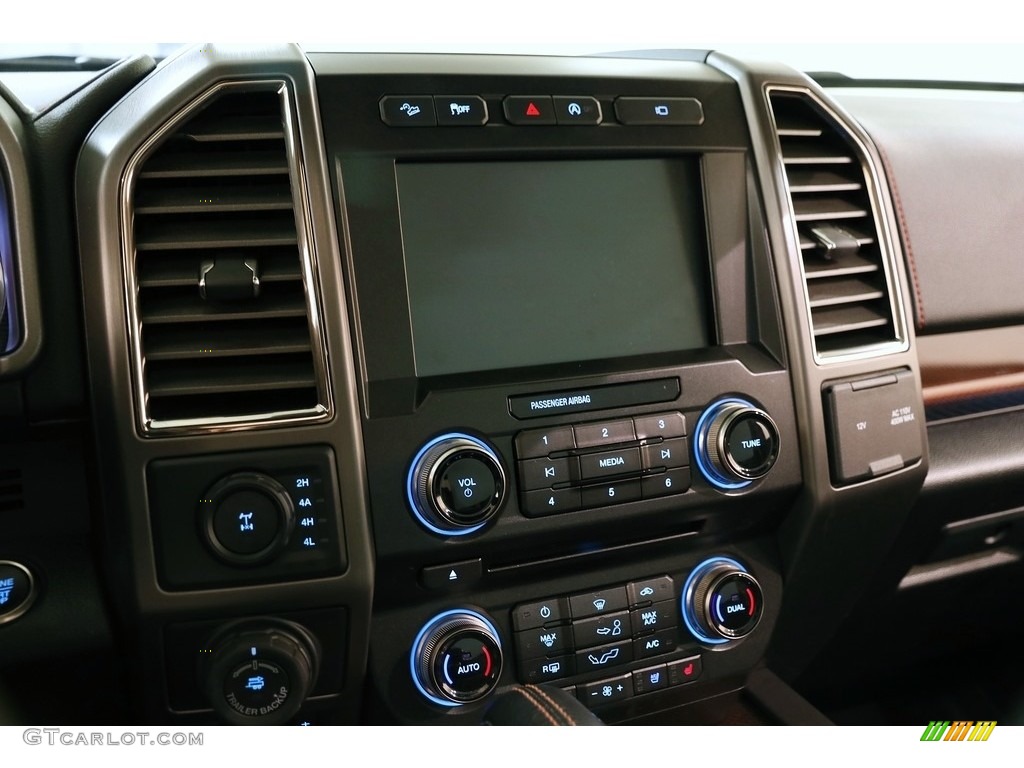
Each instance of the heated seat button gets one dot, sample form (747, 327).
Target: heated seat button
(529, 110)
(460, 110)
(650, 679)
(684, 670)
(408, 111)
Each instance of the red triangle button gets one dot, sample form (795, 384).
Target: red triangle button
(532, 111)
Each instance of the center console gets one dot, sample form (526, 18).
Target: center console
(576, 410)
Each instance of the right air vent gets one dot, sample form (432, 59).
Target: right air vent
(846, 259)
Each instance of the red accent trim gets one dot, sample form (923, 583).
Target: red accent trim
(487, 655)
(750, 598)
(905, 232)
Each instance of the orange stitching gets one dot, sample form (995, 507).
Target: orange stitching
(906, 234)
(554, 704)
(537, 705)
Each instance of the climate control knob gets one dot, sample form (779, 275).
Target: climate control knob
(737, 443)
(456, 484)
(456, 658)
(721, 601)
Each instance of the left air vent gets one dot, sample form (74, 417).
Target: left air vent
(226, 320)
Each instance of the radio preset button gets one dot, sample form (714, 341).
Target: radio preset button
(615, 493)
(660, 425)
(604, 433)
(535, 443)
(666, 483)
(625, 461)
(543, 503)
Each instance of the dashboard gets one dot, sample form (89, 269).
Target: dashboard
(361, 388)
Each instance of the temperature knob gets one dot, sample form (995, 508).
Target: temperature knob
(456, 484)
(737, 443)
(456, 658)
(721, 601)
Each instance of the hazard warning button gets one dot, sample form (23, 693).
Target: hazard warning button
(529, 110)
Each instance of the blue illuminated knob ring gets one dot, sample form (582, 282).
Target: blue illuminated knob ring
(721, 601)
(737, 443)
(456, 658)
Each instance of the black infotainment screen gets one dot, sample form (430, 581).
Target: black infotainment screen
(514, 264)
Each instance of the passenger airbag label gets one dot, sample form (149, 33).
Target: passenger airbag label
(594, 398)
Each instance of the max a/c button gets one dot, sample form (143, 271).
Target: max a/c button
(452, 576)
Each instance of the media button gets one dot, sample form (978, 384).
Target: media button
(529, 110)
(577, 110)
(596, 466)
(408, 111)
(460, 110)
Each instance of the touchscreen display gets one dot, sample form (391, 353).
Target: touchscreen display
(515, 264)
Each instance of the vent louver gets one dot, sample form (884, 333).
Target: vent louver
(846, 264)
(226, 330)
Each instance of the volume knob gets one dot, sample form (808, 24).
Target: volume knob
(455, 485)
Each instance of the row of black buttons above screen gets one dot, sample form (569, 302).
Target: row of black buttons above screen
(427, 111)
(647, 680)
(563, 469)
(594, 631)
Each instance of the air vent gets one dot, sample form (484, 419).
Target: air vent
(11, 495)
(227, 330)
(846, 262)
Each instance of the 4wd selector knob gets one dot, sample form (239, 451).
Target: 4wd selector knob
(737, 443)
(456, 658)
(246, 518)
(456, 484)
(721, 601)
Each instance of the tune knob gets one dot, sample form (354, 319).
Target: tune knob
(259, 672)
(456, 658)
(455, 485)
(737, 443)
(721, 601)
